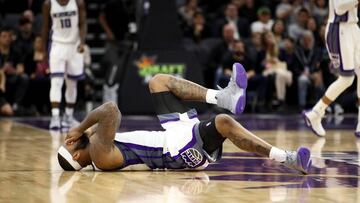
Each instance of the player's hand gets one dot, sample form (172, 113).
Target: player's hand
(81, 48)
(73, 135)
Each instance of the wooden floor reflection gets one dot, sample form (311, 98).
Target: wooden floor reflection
(29, 173)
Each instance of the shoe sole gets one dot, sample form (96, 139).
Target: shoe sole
(241, 81)
(303, 159)
(309, 125)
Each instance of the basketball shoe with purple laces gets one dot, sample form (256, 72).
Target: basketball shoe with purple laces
(298, 160)
(233, 97)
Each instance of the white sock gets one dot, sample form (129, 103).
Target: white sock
(277, 154)
(320, 107)
(69, 111)
(55, 111)
(211, 96)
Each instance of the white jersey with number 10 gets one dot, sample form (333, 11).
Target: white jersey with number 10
(65, 22)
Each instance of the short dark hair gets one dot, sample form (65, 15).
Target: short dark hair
(83, 142)
(5, 29)
(64, 163)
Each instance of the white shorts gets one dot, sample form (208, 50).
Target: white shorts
(343, 45)
(65, 60)
(179, 146)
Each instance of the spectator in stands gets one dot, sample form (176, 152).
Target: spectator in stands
(36, 22)
(273, 68)
(297, 29)
(284, 10)
(25, 37)
(187, 12)
(279, 31)
(287, 52)
(5, 107)
(306, 68)
(256, 82)
(247, 10)
(231, 17)
(38, 71)
(11, 62)
(320, 11)
(254, 46)
(198, 30)
(216, 55)
(264, 23)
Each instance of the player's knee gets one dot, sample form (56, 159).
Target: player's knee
(347, 80)
(224, 121)
(158, 83)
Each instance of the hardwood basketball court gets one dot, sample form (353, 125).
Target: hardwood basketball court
(29, 171)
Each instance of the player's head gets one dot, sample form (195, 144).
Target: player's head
(63, 2)
(75, 156)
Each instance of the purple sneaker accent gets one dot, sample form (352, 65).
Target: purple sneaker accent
(357, 134)
(241, 76)
(240, 105)
(241, 81)
(308, 123)
(303, 159)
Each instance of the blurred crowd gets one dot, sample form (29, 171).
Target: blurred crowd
(281, 43)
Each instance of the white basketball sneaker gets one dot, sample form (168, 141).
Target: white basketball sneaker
(313, 121)
(55, 123)
(233, 97)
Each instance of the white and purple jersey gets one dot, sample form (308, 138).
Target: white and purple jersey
(179, 146)
(65, 22)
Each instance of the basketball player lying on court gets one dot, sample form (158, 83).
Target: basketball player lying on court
(186, 143)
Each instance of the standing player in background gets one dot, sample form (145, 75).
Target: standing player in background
(67, 40)
(342, 40)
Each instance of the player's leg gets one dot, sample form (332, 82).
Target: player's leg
(74, 72)
(231, 98)
(341, 50)
(70, 98)
(57, 70)
(223, 126)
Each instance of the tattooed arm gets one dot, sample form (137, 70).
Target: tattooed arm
(107, 117)
(183, 89)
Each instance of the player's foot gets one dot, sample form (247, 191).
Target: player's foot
(313, 121)
(357, 131)
(55, 123)
(298, 160)
(69, 121)
(233, 97)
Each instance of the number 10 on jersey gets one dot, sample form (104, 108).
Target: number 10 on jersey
(65, 23)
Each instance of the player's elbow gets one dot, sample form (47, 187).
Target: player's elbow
(158, 83)
(111, 108)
